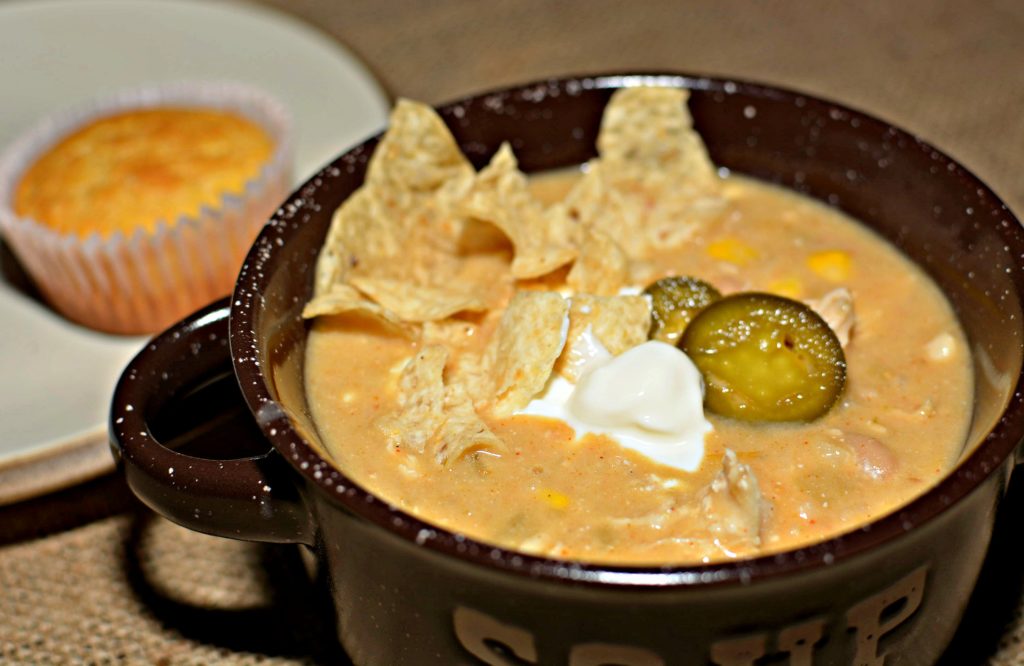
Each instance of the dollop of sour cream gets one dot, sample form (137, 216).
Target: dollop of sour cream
(648, 399)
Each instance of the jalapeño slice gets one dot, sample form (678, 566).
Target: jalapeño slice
(674, 302)
(765, 358)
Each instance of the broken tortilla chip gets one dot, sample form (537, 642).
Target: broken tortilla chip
(653, 182)
(434, 415)
(419, 303)
(401, 223)
(520, 355)
(601, 268)
(542, 239)
(463, 431)
(417, 154)
(617, 322)
(342, 299)
(421, 394)
(455, 334)
(651, 128)
(362, 235)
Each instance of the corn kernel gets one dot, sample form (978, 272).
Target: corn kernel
(732, 251)
(789, 287)
(833, 265)
(555, 499)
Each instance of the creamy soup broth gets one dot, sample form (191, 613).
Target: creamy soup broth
(899, 426)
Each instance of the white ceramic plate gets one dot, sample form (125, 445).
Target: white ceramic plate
(56, 378)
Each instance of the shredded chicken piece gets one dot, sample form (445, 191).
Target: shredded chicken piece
(732, 505)
(724, 518)
(836, 308)
(655, 519)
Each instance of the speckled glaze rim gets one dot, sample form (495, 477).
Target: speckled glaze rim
(986, 459)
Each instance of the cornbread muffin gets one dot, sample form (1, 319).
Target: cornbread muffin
(132, 212)
(133, 169)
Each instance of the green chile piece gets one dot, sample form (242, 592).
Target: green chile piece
(765, 358)
(674, 302)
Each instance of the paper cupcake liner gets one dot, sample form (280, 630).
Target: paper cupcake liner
(144, 281)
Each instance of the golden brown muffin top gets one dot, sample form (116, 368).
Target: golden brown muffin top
(130, 170)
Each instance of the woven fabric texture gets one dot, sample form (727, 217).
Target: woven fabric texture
(136, 589)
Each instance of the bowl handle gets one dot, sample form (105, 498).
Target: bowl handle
(168, 392)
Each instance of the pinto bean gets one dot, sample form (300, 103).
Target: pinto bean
(873, 457)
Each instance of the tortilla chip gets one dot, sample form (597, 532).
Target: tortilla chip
(363, 234)
(529, 339)
(601, 267)
(463, 431)
(455, 334)
(421, 395)
(653, 183)
(401, 223)
(433, 415)
(520, 355)
(343, 299)
(543, 239)
(618, 322)
(417, 154)
(651, 128)
(418, 303)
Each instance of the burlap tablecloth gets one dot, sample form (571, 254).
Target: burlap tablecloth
(114, 585)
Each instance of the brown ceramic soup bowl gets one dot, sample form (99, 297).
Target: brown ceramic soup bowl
(407, 592)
